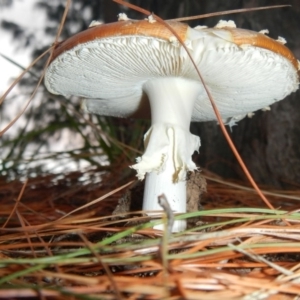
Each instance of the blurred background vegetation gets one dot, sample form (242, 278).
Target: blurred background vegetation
(269, 142)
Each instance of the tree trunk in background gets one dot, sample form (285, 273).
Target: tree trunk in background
(110, 10)
(269, 142)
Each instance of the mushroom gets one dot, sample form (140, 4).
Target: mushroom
(122, 68)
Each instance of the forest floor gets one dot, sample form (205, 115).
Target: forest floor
(59, 240)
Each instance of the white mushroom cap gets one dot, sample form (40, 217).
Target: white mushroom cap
(244, 70)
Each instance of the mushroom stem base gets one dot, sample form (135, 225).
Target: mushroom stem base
(175, 193)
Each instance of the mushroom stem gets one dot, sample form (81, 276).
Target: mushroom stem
(169, 143)
(158, 184)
